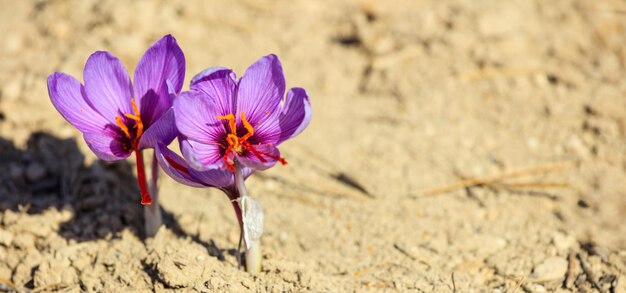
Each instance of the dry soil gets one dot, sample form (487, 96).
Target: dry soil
(407, 96)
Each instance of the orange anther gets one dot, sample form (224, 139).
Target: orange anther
(246, 125)
(138, 124)
(136, 117)
(232, 140)
(122, 126)
(231, 122)
(132, 102)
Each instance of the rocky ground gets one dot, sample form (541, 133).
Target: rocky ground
(456, 146)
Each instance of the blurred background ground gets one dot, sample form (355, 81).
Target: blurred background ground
(407, 96)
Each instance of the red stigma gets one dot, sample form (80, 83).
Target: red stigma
(238, 144)
(141, 178)
(177, 166)
(134, 140)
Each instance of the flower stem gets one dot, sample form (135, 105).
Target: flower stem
(253, 255)
(233, 195)
(253, 258)
(239, 181)
(152, 212)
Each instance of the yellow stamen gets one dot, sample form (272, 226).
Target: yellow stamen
(122, 126)
(232, 140)
(135, 108)
(231, 122)
(136, 117)
(247, 125)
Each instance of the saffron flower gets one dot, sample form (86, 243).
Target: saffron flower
(248, 211)
(223, 120)
(118, 117)
(230, 127)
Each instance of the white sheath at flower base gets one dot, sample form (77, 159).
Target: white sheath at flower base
(252, 216)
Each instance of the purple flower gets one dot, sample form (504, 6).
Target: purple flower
(222, 120)
(117, 117)
(249, 212)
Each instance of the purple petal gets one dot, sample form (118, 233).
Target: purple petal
(153, 104)
(294, 116)
(261, 89)
(246, 172)
(106, 146)
(196, 118)
(215, 177)
(175, 166)
(107, 85)
(219, 85)
(179, 170)
(162, 63)
(201, 156)
(162, 131)
(209, 71)
(68, 97)
(253, 161)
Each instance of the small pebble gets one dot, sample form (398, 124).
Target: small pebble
(533, 287)
(553, 268)
(214, 284)
(6, 237)
(563, 242)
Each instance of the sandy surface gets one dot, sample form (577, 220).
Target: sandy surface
(407, 96)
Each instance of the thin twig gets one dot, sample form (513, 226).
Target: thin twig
(472, 195)
(569, 276)
(519, 284)
(331, 170)
(588, 272)
(401, 250)
(552, 167)
(320, 189)
(536, 193)
(537, 185)
(345, 179)
(411, 256)
(453, 283)
(592, 249)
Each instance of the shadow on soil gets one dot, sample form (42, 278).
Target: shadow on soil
(103, 197)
